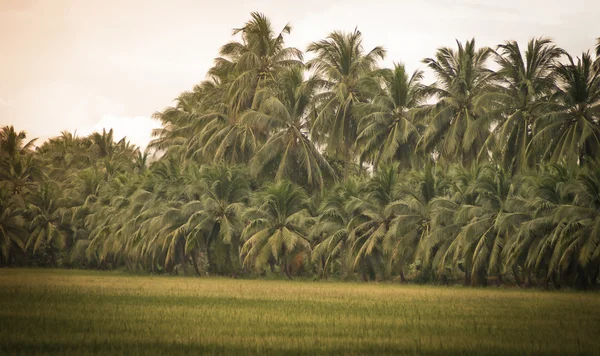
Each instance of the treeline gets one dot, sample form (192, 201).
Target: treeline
(332, 167)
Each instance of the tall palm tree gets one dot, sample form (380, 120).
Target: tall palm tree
(457, 124)
(570, 131)
(13, 144)
(341, 60)
(278, 229)
(19, 168)
(523, 94)
(289, 152)
(388, 129)
(254, 62)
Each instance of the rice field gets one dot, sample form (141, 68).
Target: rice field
(82, 312)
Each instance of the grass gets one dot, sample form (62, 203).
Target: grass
(82, 312)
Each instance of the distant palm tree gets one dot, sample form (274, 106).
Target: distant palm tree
(526, 84)
(278, 229)
(289, 152)
(218, 217)
(13, 230)
(388, 129)
(457, 125)
(341, 60)
(331, 228)
(254, 62)
(570, 131)
(409, 236)
(44, 210)
(12, 143)
(372, 216)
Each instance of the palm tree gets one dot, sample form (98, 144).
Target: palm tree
(525, 86)
(408, 238)
(574, 243)
(289, 151)
(488, 223)
(12, 225)
(388, 129)
(330, 232)
(544, 190)
(44, 210)
(341, 61)
(254, 62)
(457, 124)
(12, 143)
(223, 193)
(570, 130)
(372, 217)
(19, 168)
(278, 229)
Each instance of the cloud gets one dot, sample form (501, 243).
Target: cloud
(137, 130)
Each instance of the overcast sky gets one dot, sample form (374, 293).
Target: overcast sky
(87, 64)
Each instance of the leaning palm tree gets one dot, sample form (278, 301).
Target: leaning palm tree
(570, 131)
(289, 153)
(522, 96)
(277, 233)
(341, 60)
(388, 129)
(457, 125)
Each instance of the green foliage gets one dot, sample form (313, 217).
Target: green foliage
(333, 167)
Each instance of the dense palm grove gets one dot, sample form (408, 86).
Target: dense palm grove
(332, 167)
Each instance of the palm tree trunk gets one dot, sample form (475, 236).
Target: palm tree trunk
(402, 277)
(182, 259)
(195, 262)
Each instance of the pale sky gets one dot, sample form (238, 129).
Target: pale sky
(87, 64)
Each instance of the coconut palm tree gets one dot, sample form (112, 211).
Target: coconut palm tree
(457, 125)
(255, 62)
(407, 238)
(13, 230)
(217, 223)
(289, 153)
(19, 168)
(44, 211)
(487, 226)
(372, 216)
(570, 131)
(342, 62)
(277, 233)
(330, 232)
(388, 129)
(544, 190)
(526, 83)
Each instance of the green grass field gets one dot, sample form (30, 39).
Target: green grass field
(82, 312)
